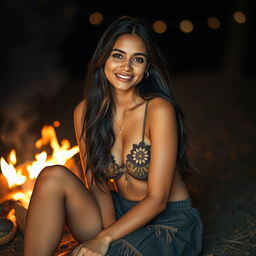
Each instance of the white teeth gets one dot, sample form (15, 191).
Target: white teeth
(124, 77)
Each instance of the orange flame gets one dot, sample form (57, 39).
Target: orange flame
(61, 153)
(14, 177)
(11, 216)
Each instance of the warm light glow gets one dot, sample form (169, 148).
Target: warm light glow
(11, 216)
(60, 155)
(96, 18)
(186, 26)
(213, 22)
(113, 184)
(239, 17)
(12, 157)
(56, 123)
(35, 168)
(159, 26)
(15, 176)
(24, 198)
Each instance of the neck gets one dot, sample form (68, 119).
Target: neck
(125, 101)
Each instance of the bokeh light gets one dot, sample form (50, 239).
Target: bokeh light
(159, 26)
(186, 26)
(96, 18)
(56, 123)
(213, 22)
(239, 17)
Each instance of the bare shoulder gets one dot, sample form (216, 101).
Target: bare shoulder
(162, 121)
(79, 110)
(78, 116)
(160, 106)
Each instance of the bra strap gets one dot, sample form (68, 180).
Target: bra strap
(144, 122)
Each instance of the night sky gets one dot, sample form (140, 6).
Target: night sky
(46, 45)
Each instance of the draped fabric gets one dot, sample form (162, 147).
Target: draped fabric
(177, 231)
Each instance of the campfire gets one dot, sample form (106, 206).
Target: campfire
(17, 181)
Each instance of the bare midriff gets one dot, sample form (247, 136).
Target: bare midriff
(137, 189)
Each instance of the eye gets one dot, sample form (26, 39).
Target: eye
(139, 59)
(117, 56)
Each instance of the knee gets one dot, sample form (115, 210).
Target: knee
(52, 175)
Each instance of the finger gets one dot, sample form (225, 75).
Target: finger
(73, 253)
(91, 253)
(88, 252)
(83, 252)
(94, 254)
(76, 251)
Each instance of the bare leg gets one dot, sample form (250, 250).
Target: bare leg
(58, 196)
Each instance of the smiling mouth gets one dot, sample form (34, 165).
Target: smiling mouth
(124, 78)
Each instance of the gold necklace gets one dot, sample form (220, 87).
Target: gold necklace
(119, 129)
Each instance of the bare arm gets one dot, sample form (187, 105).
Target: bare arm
(104, 200)
(164, 143)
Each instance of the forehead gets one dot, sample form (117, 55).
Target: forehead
(130, 43)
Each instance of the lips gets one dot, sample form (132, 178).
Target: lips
(124, 78)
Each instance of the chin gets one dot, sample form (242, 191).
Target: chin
(123, 87)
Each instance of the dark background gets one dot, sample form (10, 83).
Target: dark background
(45, 47)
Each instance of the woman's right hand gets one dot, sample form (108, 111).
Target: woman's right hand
(94, 247)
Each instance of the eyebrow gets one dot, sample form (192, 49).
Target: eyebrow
(136, 53)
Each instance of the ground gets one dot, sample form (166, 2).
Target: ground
(219, 113)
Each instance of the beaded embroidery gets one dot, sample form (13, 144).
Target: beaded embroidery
(137, 161)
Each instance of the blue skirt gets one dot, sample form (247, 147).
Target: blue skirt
(177, 231)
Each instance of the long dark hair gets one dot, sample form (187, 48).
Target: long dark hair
(97, 130)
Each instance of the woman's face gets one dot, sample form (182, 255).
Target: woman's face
(127, 63)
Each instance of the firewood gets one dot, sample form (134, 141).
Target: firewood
(20, 214)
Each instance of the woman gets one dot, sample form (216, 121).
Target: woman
(132, 141)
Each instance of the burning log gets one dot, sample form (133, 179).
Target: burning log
(20, 214)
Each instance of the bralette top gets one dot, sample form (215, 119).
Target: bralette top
(137, 161)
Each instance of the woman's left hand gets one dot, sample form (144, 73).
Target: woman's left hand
(94, 247)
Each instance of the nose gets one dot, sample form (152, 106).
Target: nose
(127, 65)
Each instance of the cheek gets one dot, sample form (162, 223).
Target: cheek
(108, 69)
(140, 70)
(110, 65)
